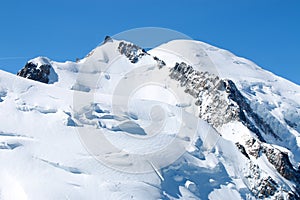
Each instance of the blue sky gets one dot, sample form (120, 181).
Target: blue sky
(264, 31)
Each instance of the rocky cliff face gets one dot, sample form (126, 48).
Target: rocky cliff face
(220, 102)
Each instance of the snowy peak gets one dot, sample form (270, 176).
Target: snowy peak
(95, 63)
(241, 125)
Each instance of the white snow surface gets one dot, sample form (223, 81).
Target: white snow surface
(43, 156)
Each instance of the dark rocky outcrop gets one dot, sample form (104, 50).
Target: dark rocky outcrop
(277, 158)
(254, 147)
(34, 72)
(160, 62)
(131, 51)
(220, 102)
(107, 39)
(134, 53)
(267, 188)
(242, 149)
(246, 114)
(281, 162)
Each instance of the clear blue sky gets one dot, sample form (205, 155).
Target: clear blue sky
(264, 31)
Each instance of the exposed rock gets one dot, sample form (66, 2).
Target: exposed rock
(278, 159)
(39, 72)
(107, 39)
(255, 172)
(267, 188)
(253, 147)
(246, 115)
(31, 71)
(261, 186)
(242, 149)
(131, 51)
(160, 63)
(220, 102)
(281, 162)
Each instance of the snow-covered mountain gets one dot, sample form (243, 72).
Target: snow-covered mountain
(185, 120)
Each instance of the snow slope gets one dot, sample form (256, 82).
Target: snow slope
(115, 125)
(275, 99)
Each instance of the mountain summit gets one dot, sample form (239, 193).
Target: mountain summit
(184, 120)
